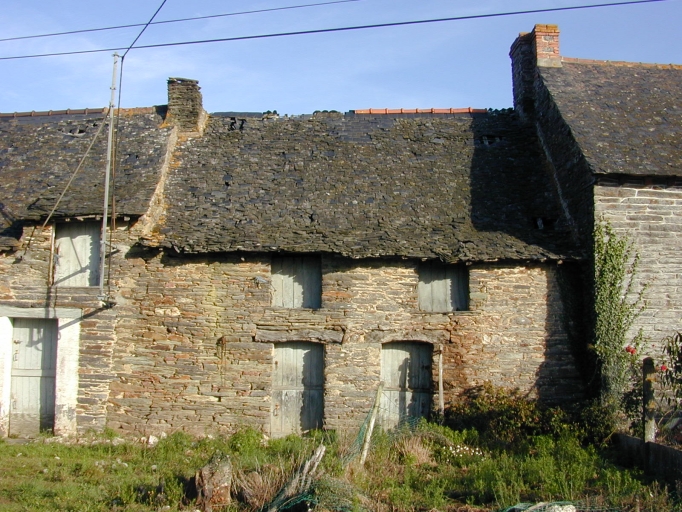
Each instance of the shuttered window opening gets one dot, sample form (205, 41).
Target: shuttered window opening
(407, 377)
(297, 282)
(76, 257)
(443, 288)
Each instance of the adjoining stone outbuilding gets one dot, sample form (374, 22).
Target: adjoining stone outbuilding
(612, 133)
(272, 271)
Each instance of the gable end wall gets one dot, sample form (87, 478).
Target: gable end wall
(650, 214)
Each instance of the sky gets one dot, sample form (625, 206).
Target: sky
(454, 64)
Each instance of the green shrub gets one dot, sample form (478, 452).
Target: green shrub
(247, 442)
(505, 416)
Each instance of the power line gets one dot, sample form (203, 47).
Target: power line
(112, 151)
(340, 29)
(179, 20)
(142, 31)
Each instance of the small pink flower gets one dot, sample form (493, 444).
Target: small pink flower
(664, 368)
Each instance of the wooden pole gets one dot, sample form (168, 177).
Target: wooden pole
(441, 398)
(649, 405)
(370, 427)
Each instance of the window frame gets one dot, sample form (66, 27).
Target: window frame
(296, 281)
(442, 288)
(87, 275)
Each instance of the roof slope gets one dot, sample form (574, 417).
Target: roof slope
(455, 187)
(627, 118)
(38, 155)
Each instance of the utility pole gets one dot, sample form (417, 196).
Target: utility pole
(107, 174)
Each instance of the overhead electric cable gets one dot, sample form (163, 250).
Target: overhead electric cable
(179, 20)
(143, 29)
(340, 29)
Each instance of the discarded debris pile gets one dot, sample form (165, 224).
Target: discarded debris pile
(298, 489)
(218, 484)
(556, 506)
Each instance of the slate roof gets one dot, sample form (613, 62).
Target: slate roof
(456, 187)
(626, 117)
(38, 155)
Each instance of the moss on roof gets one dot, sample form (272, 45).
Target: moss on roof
(459, 188)
(38, 156)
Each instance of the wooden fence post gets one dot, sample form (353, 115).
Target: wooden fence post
(370, 427)
(649, 406)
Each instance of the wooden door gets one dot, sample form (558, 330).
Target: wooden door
(297, 388)
(32, 389)
(406, 373)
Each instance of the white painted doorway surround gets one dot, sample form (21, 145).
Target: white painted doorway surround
(49, 339)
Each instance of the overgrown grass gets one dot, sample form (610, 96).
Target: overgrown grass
(465, 469)
(528, 457)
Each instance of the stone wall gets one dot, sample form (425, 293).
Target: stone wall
(24, 276)
(196, 334)
(649, 212)
(189, 342)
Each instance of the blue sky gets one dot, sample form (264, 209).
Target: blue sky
(448, 64)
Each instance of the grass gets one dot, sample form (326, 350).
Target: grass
(430, 467)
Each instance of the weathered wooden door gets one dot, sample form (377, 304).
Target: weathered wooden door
(297, 388)
(32, 389)
(406, 373)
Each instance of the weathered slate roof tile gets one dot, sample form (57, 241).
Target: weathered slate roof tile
(38, 155)
(454, 187)
(626, 117)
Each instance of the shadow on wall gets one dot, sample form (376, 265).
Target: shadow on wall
(559, 379)
(513, 196)
(312, 383)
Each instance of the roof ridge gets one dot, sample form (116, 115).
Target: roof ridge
(467, 110)
(621, 63)
(77, 111)
(68, 111)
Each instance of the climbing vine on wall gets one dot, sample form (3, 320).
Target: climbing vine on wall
(617, 305)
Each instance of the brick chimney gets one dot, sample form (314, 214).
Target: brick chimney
(540, 48)
(185, 109)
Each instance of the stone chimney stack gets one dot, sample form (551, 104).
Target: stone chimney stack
(540, 48)
(185, 108)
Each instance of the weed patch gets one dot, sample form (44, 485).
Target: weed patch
(429, 467)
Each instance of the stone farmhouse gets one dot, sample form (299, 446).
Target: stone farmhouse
(272, 271)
